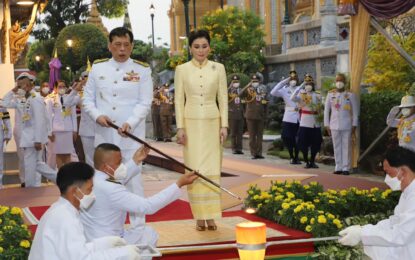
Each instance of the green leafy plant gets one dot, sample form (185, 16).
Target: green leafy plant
(15, 238)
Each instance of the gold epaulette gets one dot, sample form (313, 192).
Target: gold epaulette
(317, 92)
(5, 115)
(141, 63)
(332, 91)
(101, 60)
(113, 181)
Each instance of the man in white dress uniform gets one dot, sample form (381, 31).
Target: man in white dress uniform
(60, 233)
(391, 238)
(107, 215)
(120, 90)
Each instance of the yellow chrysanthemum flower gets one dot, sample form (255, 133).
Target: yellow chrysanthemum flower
(16, 211)
(303, 220)
(285, 205)
(1, 249)
(306, 187)
(331, 216)
(308, 228)
(25, 243)
(322, 219)
(312, 221)
(290, 195)
(332, 202)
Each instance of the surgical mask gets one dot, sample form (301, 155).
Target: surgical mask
(45, 91)
(86, 200)
(293, 83)
(62, 91)
(308, 88)
(236, 85)
(255, 84)
(406, 112)
(120, 173)
(339, 85)
(393, 183)
(21, 92)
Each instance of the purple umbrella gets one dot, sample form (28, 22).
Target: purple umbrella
(54, 73)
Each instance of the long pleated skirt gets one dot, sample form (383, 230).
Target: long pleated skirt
(203, 152)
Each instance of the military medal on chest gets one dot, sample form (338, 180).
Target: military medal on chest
(131, 76)
(405, 129)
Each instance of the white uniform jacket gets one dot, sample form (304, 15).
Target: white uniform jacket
(86, 124)
(107, 215)
(32, 116)
(309, 104)
(341, 111)
(6, 127)
(62, 118)
(283, 90)
(406, 128)
(393, 238)
(60, 235)
(123, 92)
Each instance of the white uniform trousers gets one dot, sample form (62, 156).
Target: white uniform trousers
(50, 155)
(145, 235)
(20, 155)
(135, 185)
(342, 152)
(89, 149)
(31, 157)
(1, 162)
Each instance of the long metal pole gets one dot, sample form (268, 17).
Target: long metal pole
(152, 28)
(234, 245)
(135, 138)
(186, 16)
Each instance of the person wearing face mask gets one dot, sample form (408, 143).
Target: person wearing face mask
(291, 119)
(235, 115)
(201, 105)
(341, 115)
(32, 123)
(403, 118)
(44, 89)
(5, 136)
(86, 123)
(62, 119)
(309, 133)
(255, 115)
(391, 238)
(166, 112)
(107, 215)
(60, 234)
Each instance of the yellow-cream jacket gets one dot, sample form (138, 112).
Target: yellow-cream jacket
(201, 92)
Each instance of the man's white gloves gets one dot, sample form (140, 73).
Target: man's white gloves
(351, 236)
(132, 252)
(107, 242)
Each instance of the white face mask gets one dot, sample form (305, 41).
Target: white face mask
(293, 83)
(21, 92)
(120, 173)
(339, 85)
(86, 200)
(406, 111)
(236, 85)
(62, 91)
(394, 183)
(308, 88)
(255, 84)
(45, 91)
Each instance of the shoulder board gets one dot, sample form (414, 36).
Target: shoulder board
(141, 63)
(6, 115)
(318, 92)
(332, 91)
(101, 60)
(113, 181)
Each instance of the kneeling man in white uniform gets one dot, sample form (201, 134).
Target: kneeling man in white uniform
(106, 217)
(392, 238)
(60, 234)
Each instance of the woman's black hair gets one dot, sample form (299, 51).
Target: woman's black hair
(198, 34)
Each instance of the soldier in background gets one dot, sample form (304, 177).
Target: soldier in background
(235, 115)
(155, 115)
(166, 112)
(5, 136)
(309, 133)
(291, 119)
(255, 116)
(340, 119)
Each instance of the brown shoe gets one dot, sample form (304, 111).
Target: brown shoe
(211, 225)
(200, 225)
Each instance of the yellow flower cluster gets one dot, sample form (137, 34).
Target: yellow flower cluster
(3, 209)
(338, 223)
(321, 219)
(25, 243)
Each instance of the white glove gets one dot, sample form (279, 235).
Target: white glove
(351, 236)
(104, 243)
(132, 252)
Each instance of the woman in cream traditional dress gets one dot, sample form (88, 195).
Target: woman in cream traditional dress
(201, 102)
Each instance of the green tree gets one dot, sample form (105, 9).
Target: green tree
(237, 38)
(385, 68)
(60, 13)
(44, 50)
(88, 42)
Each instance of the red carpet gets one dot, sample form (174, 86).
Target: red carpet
(179, 210)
